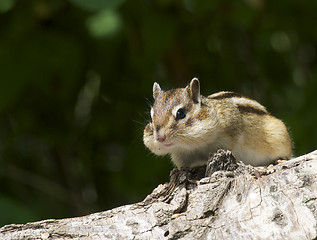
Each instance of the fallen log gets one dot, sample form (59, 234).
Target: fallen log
(233, 201)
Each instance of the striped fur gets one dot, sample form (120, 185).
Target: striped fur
(225, 120)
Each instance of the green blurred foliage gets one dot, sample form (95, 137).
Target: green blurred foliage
(76, 80)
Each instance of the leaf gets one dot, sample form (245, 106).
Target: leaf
(104, 23)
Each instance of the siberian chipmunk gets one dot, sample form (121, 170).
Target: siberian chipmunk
(189, 127)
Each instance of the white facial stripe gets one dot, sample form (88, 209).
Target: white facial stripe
(246, 101)
(170, 122)
(152, 113)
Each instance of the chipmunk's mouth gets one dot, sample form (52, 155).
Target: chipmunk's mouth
(168, 144)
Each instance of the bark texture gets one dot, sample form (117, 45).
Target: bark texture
(235, 202)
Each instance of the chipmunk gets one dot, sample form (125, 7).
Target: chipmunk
(189, 127)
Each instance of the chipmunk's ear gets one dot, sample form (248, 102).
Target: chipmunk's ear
(156, 90)
(194, 87)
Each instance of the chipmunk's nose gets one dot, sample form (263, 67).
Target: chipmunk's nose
(159, 136)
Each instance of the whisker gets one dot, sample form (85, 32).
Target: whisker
(144, 124)
(149, 102)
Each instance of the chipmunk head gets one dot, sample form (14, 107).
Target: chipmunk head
(174, 119)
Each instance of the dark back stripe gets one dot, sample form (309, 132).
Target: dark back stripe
(225, 95)
(251, 109)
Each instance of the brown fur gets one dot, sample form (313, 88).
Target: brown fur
(222, 120)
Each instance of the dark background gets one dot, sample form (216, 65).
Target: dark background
(76, 82)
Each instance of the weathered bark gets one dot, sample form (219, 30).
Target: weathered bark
(277, 202)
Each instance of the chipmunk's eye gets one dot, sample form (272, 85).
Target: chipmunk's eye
(180, 114)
